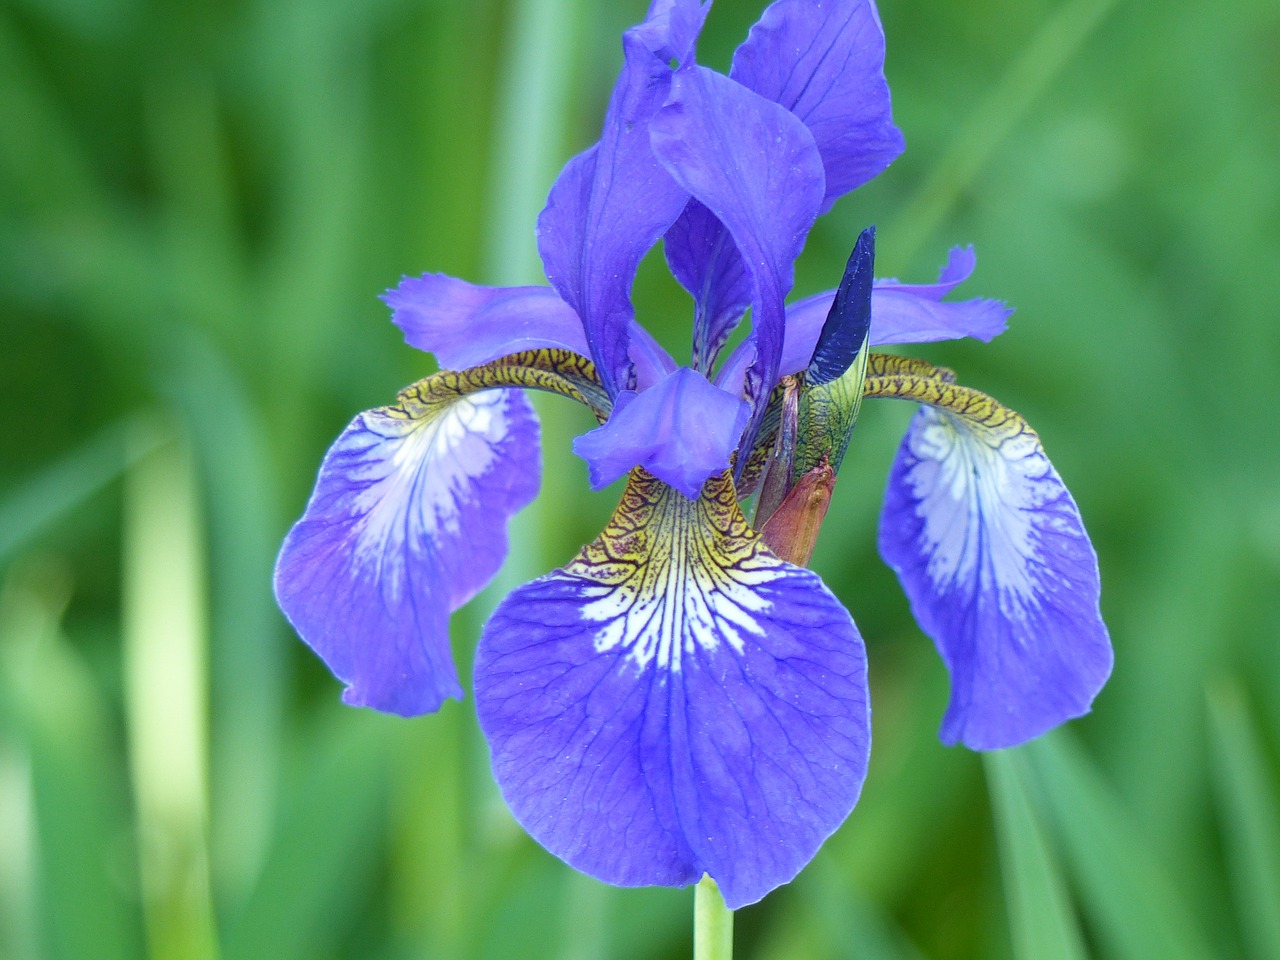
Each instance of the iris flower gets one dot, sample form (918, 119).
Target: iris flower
(677, 699)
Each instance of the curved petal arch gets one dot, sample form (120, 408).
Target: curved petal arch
(755, 167)
(682, 430)
(825, 63)
(611, 203)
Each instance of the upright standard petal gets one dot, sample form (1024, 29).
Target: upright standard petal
(682, 430)
(466, 325)
(902, 313)
(825, 63)
(671, 27)
(611, 204)
(648, 357)
(407, 522)
(755, 167)
(704, 259)
(677, 701)
(994, 558)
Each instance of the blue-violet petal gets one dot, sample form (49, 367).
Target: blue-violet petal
(671, 27)
(611, 203)
(755, 167)
(677, 701)
(407, 522)
(682, 430)
(902, 313)
(825, 63)
(705, 260)
(466, 325)
(992, 553)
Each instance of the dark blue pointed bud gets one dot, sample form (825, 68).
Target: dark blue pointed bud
(847, 324)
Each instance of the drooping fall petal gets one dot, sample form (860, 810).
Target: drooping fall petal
(992, 553)
(407, 522)
(676, 701)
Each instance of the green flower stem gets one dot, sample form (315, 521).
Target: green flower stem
(712, 923)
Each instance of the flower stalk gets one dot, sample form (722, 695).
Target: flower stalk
(712, 923)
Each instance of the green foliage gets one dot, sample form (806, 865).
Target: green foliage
(198, 206)
(1040, 918)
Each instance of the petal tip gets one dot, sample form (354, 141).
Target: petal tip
(400, 702)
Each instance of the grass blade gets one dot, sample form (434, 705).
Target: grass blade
(165, 672)
(58, 489)
(317, 877)
(64, 760)
(1125, 893)
(1249, 811)
(1043, 925)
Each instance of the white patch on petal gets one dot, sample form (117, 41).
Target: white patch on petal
(982, 495)
(415, 474)
(671, 576)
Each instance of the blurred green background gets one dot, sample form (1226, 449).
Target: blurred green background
(199, 204)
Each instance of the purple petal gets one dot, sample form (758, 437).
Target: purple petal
(961, 262)
(466, 325)
(407, 522)
(612, 203)
(902, 313)
(732, 375)
(682, 430)
(704, 259)
(650, 359)
(671, 27)
(993, 556)
(901, 317)
(825, 63)
(754, 166)
(804, 325)
(676, 701)
(904, 318)
(912, 313)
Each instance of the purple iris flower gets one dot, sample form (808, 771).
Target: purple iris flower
(677, 700)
